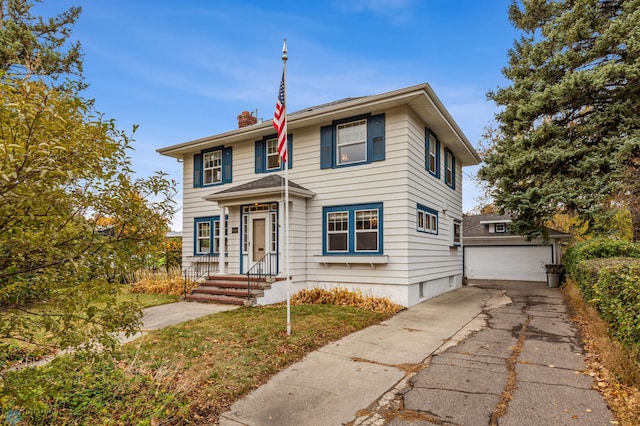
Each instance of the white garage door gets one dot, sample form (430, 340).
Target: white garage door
(520, 263)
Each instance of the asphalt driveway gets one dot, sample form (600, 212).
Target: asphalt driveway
(490, 353)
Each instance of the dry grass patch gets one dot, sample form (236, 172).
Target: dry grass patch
(615, 369)
(171, 284)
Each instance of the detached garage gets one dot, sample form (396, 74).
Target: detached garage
(492, 252)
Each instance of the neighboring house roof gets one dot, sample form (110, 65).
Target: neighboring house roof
(475, 226)
(420, 98)
(272, 184)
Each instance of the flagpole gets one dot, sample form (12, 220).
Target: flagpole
(286, 192)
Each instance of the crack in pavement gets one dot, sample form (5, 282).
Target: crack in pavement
(507, 394)
(391, 405)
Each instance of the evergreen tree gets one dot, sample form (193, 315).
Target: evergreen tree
(570, 123)
(34, 46)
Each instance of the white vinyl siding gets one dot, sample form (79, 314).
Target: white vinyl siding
(400, 182)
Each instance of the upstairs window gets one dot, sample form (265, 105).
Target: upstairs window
(450, 169)
(212, 167)
(432, 151)
(353, 141)
(273, 158)
(267, 159)
(501, 227)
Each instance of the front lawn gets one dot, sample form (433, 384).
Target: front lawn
(188, 373)
(147, 300)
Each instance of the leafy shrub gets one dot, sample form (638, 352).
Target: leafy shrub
(598, 248)
(343, 297)
(613, 286)
(617, 296)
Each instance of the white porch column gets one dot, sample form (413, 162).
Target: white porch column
(223, 249)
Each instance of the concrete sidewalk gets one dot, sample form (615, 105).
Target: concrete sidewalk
(493, 353)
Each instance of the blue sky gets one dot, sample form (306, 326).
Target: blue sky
(185, 70)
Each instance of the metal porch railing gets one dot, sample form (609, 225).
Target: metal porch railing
(263, 268)
(204, 266)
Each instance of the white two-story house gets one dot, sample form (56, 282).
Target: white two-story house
(375, 198)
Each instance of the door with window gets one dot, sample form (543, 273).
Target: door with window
(260, 235)
(258, 246)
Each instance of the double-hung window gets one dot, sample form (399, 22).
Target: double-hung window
(456, 235)
(432, 151)
(353, 229)
(212, 167)
(450, 169)
(207, 235)
(203, 237)
(267, 158)
(427, 220)
(337, 231)
(352, 141)
(273, 158)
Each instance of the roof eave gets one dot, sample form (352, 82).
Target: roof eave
(420, 97)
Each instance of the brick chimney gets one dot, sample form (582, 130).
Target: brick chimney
(246, 119)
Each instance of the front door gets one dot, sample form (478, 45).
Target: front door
(258, 238)
(258, 243)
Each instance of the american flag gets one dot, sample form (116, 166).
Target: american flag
(280, 122)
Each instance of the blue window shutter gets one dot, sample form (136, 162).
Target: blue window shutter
(259, 158)
(438, 158)
(377, 138)
(226, 165)
(326, 147)
(290, 151)
(453, 171)
(197, 170)
(446, 166)
(426, 149)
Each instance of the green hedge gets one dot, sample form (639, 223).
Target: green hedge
(598, 248)
(613, 286)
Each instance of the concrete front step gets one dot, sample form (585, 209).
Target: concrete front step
(235, 292)
(228, 289)
(209, 298)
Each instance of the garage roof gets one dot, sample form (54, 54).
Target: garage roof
(476, 226)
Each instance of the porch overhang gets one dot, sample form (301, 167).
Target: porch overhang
(269, 186)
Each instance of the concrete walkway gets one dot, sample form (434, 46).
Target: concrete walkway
(491, 353)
